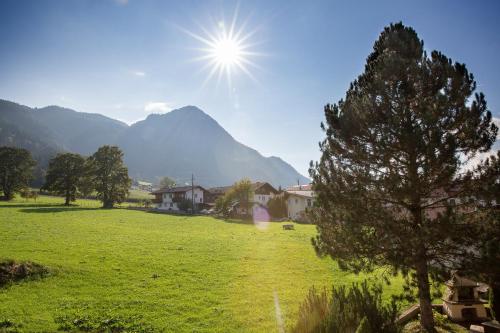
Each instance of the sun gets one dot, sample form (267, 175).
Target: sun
(226, 50)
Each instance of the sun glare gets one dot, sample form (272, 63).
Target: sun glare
(226, 50)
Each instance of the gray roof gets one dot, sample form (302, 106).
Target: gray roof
(178, 189)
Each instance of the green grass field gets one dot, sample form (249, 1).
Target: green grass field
(173, 273)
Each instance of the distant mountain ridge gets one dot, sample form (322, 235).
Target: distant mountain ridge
(177, 144)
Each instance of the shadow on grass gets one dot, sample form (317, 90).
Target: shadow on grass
(28, 204)
(57, 209)
(235, 221)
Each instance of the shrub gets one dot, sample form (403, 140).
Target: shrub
(359, 308)
(277, 207)
(12, 271)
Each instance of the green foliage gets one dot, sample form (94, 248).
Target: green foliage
(364, 326)
(222, 205)
(110, 175)
(185, 204)
(29, 194)
(65, 175)
(357, 309)
(242, 193)
(167, 182)
(483, 263)
(86, 185)
(398, 138)
(16, 170)
(277, 207)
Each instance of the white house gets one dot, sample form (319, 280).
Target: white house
(298, 202)
(170, 198)
(263, 192)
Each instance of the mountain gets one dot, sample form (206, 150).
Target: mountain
(176, 144)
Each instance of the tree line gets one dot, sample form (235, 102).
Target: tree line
(68, 174)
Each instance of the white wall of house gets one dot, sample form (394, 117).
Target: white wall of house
(168, 199)
(198, 195)
(297, 205)
(263, 199)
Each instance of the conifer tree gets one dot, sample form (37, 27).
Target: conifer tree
(398, 140)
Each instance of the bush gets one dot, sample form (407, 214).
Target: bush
(359, 308)
(277, 207)
(12, 271)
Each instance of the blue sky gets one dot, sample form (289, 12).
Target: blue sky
(126, 59)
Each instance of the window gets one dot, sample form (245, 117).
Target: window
(296, 201)
(196, 195)
(171, 205)
(309, 203)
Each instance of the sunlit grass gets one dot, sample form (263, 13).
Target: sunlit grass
(180, 274)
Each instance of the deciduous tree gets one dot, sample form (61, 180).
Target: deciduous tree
(64, 176)
(110, 175)
(393, 150)
(167, 182)
(16, 170)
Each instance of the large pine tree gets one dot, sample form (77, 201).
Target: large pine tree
(393, 150)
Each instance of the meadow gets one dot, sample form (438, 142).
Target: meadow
(163, 272)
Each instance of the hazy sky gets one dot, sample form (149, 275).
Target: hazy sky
(126, 59)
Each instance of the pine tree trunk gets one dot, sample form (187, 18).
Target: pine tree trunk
(424, 296)
(66, 203)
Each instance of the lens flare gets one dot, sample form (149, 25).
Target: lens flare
(261, 217)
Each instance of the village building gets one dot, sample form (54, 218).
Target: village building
(263, 192)
(215, 193)
(171, 198)
(305, 187)
(298, 201)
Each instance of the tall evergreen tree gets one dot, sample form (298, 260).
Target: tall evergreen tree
(65, 174)
(110, 175)
(16, 170)
(484, 263)
(401, 136)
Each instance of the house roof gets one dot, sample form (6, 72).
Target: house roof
(219, 190)
(458, 281)
(262, 186)
(305, 187)
(144, 183)
(306, 194)
(179, 189)
(255, 187)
